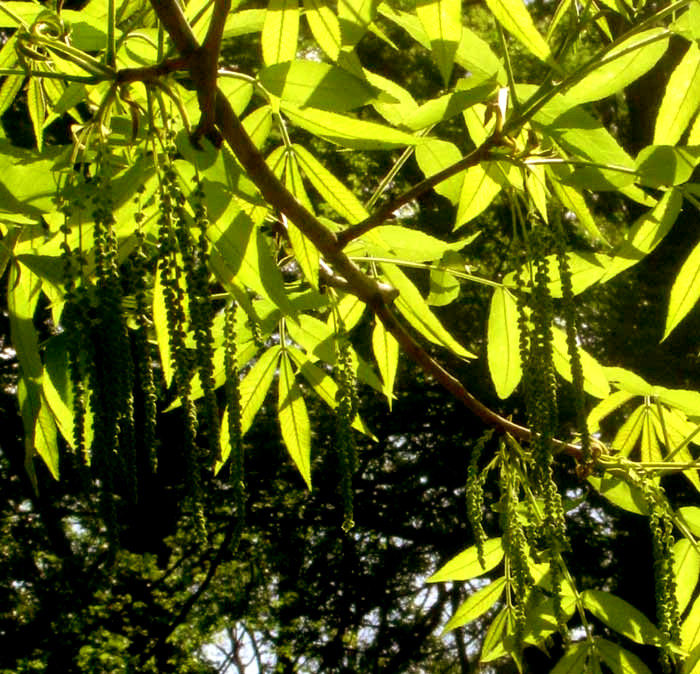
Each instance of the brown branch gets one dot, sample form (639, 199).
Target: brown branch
(376, 295)
(386, 211)
(150, 73)
(451, 384)
(176, 25)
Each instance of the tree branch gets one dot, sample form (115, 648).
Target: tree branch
(386, 211)
(375, 295)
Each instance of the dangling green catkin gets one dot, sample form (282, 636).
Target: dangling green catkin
(661, 528)
(142, 349)
(475, 495)
(541, 403)
(183, 363)
(75, 328)
(345, 414)
(514, 545)
(201, 313)
(569, 311)
(233, 403)
(113, 372)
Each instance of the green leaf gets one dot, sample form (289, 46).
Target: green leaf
(687, 402)
(237, 92)
(386, 353)
(622, 617)
(686, 569)
(324, 26)
(476, 56)
(586, 138)
(317, 85)
(479, 188)
(305, 252)
(442, 22)
(336, 195)
(477, 604)
(416, 311)
(628, 381)
(410, 245)
(691, 516)
(621, 493)
(627, 436)
(294, 419)
(23, 294)
(258, 125)
(573, 200)
(618, 659)
(688, 23)
(349, 311)
(316, 337)
(355, 16)
(268, 277)
(395, 104)
(444, 107)
(536, 188)
(224, 443)
(503, 346)
(36, 103)
(324, 386)
(500, 628)
(514, 17)
(665, 166)
(444, 284)
(45, 438)
(685, 291)
(694, 135)
(244, 22)
(57, 391)
(690, 635)
(254, 386)
(280, 31)
(348, 131)
(435, 155)
(606, 407)
(466, 565)
(621, 66)
(681, 100)
(595, 382)
(646, 234)
(574, 660)
(56, 386)
(9, 90)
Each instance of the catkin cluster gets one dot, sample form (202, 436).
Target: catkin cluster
(75, 324)
(345, 414)
(195, 256)
(176, 260)
(541, 402)
(568, 306)
(233, 404)
(145, 383)
(475, 494)
(661, 528)
(515, 546)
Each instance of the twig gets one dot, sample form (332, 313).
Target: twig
(385, 212)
